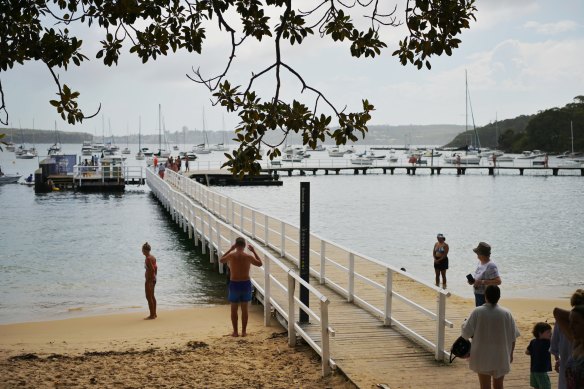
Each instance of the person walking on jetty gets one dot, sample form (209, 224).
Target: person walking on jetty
(493, 332)
(485, 274)
(440, 254)
(240, 288)
(541, 359)
(151, 273)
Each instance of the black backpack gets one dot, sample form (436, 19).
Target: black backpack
(460, 348)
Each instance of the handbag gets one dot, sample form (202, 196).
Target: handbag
(460, 348)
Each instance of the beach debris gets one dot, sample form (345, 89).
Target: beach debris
(193, 344)
(24, 357)
(278, 335)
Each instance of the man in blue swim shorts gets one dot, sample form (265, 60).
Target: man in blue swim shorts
(239, 264)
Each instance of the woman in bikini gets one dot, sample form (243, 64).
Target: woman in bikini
(440, 254)
(151, 272)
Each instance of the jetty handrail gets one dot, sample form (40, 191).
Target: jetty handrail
(204, 224)
(276, 234)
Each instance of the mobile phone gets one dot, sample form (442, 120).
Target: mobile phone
(470, 278)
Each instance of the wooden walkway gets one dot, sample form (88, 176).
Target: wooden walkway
(363, 348)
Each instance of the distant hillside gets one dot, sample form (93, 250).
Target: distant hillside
(489, 134)
(436, 134)
(553, 130)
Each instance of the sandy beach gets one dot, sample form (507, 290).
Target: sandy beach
(187, 348)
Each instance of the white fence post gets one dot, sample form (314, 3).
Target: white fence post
(351, 289)
(203, 248)
(267, 305)
(253, 224)
(241, 219)
(232, 221)
(388, 297)
(291, 310)
(440, 321)
(324, 334)
(211, 257)
(266, 230)
(282, 239)
(322, 278)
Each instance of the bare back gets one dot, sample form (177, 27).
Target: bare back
(239, 265)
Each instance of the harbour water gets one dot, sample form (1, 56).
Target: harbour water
(66, 254)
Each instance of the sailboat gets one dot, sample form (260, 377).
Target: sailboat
(139, 155)
(126, 149)
(22, 152)
(163, 153)
(10, 146)
(221, 146)
(470, 157)
(55, 149)
(203, 147)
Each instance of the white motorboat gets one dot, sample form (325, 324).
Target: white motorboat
(126, 150)
(361, 161)
(430, 154)
(219, 147)
(501, 158)
(531, 154)
(372, 155)
(292, 158)
(25, 154)
(462, 159)
(336, 152)
(201, 149)
(9, 178)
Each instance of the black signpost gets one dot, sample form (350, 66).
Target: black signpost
(304, 245)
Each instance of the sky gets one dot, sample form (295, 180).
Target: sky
(521, 57)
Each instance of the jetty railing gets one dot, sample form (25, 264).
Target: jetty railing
(216, 236)
(127, 172)
(340, 268)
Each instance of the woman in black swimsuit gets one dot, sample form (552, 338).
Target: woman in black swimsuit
(440, 254)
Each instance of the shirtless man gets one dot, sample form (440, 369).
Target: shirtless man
(239, 281)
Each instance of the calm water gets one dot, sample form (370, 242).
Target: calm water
(66, 254)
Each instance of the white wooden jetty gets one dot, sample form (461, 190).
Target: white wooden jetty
(376, 323)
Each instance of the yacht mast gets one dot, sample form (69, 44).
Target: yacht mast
(159, 130)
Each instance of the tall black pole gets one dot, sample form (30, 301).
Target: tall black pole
(304, 245)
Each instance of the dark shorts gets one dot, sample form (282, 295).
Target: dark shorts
(442, 265)
(239, 291)
(540, 381)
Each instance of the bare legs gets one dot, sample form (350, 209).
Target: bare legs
(443, 272)
(438, 273)
(485, 381)
(149, 289)
(234, 318)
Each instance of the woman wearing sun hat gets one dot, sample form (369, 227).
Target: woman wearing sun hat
(485, 274)
(440, 254)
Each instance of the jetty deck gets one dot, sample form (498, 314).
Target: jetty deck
(375, 323)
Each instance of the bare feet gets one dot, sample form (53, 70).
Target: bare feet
(244, 334)
(235, 334)
(150, 317)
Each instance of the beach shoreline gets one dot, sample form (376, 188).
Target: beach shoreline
(184, 347)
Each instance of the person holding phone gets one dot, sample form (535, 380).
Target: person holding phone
(485, 274)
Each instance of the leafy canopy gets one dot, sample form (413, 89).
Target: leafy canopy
(37, 30)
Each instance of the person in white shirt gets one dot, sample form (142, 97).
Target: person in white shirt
(493, 332)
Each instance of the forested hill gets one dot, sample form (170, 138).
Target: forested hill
(549, 130)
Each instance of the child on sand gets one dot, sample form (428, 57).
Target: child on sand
(541, 360)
